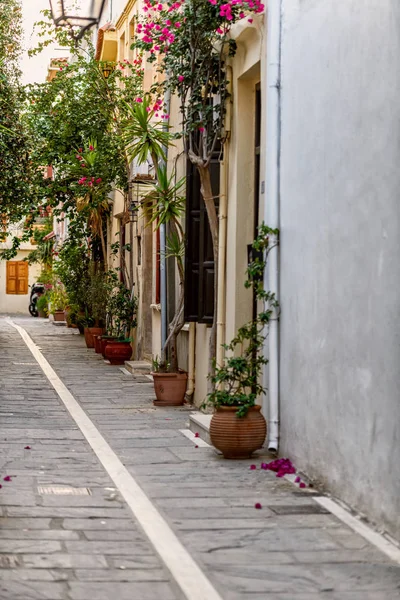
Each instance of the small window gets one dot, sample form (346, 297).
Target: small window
(17, 277)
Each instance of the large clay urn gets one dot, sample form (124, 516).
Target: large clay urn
(237, 437)
(117, 352)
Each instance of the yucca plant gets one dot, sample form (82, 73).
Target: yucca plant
(168, 208)
(145, 135)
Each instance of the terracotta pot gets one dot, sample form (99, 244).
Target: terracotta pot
(88, 338)
(97, 343)
(170, 388)
(118, 352)
(237, 437)
(89, 333)
(58, 315)
(105, 339)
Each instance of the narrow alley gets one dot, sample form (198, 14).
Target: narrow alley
(174, 522)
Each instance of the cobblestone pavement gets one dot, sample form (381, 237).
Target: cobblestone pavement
(67, 546)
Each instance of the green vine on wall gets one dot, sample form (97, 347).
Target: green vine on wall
(237, 380)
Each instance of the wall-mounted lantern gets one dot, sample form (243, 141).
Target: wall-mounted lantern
(78, 15)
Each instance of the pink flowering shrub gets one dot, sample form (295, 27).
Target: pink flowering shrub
(189, 41)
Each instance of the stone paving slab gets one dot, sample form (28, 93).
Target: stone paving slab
(92, 547)
(50, 541)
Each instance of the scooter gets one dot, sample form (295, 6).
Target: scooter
(37, 290)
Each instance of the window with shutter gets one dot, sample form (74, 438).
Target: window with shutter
(17, 277)
(199, 271)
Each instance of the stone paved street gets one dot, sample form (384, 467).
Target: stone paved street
(89, 545)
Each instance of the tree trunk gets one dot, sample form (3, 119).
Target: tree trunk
(103, 246)
(209, 201)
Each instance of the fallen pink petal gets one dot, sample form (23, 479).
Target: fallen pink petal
(27, 448)
(280, 466)
(196, 434)
(196, 446)
(297, 480)
(7, 478)
(253, 467)
(257, 505)
(302, 484)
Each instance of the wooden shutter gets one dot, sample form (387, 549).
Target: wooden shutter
(199, 271)
(11, 285)
(22, 277)
(17, 277)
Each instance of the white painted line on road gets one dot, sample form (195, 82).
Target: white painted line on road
(361, 528)
(186, 572)
(196, 440)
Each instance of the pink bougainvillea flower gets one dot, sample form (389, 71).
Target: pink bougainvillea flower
(257, 505)
(27, 448)
(297, 480)
(7, 478)
(91, 147)
(253, 467)
(196, 434)
(98, 180)
(302, 485)
(80, 149)
(181, 78)
(201, 129)
(281, 466)
(139, 100)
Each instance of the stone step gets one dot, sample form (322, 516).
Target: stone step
(138, 367)
(200, 423)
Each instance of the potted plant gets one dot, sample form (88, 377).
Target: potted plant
(121, 319)
(58, 301)
(145, 137)
(43, 306)
(97, 298)
(237, 426)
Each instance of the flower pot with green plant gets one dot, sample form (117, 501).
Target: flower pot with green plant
(121, 319)
(43, 306)
(97, 298)
(237, 426)
(58, 301)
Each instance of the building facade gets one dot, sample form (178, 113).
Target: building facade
(339, 248)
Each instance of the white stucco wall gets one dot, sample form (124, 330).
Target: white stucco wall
(340, 248)
(16, 303)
